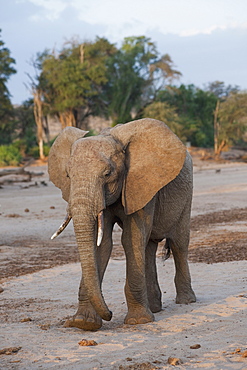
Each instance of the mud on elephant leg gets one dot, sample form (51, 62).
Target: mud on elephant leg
(185, 293)
(153, 289)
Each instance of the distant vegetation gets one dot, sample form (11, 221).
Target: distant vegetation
(120, 84)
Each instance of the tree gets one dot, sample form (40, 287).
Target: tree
(37, 85)
(71, 80)
(67, 84)
(221, 91)
(230, 120)
(195, 109)
(6, 109)
(94, 78)
(25, 126)
(39, 117)
(167, 114)
(135, 75)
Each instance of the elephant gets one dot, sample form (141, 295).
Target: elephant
(140, 176)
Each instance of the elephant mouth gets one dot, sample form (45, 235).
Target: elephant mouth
(100, 219)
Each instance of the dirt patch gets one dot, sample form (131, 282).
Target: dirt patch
(223, 247)
(225, 216)
(27, 256)
(215, 236)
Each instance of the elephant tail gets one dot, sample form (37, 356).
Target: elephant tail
(167, 249)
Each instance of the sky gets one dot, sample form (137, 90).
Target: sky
(206, 39)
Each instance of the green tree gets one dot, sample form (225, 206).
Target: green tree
(135, 74)
(195, 108)
(71, 81)
(222, 93)
(231, 120)
(25, 126)
(6, 109)
(167, 114)
(67, 84)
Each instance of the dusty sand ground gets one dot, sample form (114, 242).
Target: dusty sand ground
(41, 277)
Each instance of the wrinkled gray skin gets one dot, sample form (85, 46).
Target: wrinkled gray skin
(140, 175)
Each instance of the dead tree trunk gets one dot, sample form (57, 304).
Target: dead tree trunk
(39, 121)
(216, 129)
(67, 118)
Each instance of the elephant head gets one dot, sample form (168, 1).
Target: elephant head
(129, 162)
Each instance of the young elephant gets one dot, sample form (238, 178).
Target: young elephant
(139, 175)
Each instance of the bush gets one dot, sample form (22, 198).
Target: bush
(34, 151)
(9, 155)
(21, 146)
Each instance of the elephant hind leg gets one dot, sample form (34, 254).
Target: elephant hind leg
(185, 293)
(153, 289)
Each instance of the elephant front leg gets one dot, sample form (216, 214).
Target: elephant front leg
(134, 243)
(138, 308)
(86, 317)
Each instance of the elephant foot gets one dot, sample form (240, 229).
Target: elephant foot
(186, 298)
(155, 306)
(154, 299)
(85, 318)
(138, 316)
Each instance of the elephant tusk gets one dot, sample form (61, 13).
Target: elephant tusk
(100, 228)
(62, 227)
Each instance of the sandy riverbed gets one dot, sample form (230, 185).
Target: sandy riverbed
(40, 280)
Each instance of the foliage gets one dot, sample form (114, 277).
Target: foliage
(34, 151)
(195, 109)
(6, 109)
(9, 155)
(95, 78)
(136, 73)
(6, 70)
(71, 81)
(221, 91)
(25, 128)
(133, 81)
(231, 120)
(166, 113)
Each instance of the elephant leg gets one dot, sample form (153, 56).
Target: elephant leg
(86, 317)
(134, 241)
(179, 244)
(153, 289)
(182, 279)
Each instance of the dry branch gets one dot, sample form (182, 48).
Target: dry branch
(20, 171)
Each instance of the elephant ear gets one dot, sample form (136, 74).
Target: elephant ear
(154, 157)
(59, 156)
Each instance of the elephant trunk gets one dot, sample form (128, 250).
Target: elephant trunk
(85, 213)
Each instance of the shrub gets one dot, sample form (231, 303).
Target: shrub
(34, 151)
(9, 155)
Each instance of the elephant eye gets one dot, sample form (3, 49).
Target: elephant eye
(107, 173)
